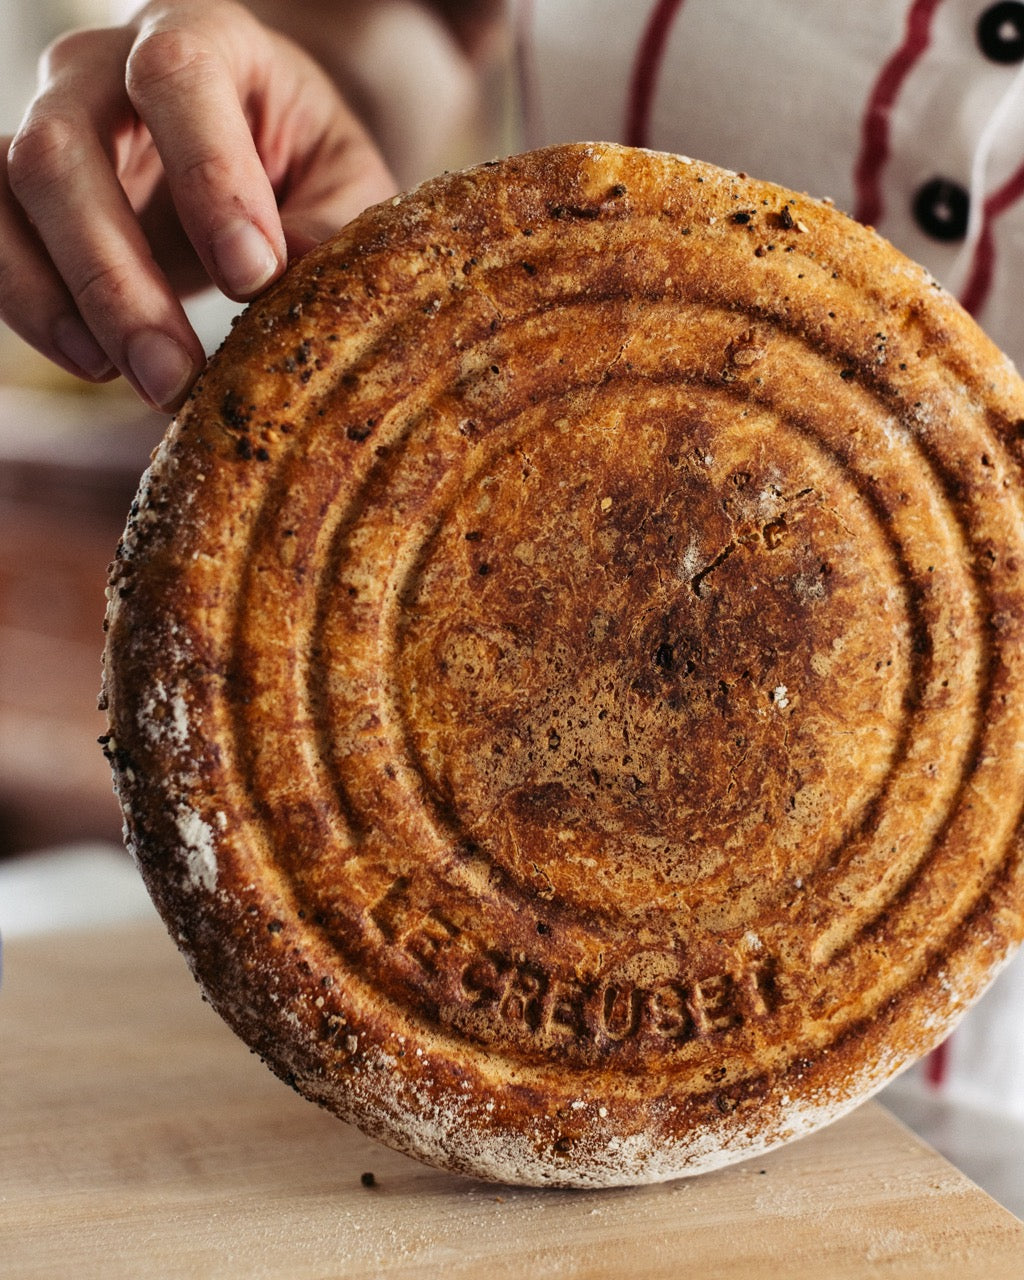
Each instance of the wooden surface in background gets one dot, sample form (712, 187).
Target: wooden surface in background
(139, 1137)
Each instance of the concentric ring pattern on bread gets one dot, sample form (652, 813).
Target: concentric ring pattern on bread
(565, 668)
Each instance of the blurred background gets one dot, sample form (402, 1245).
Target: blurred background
(30, 26)
(70, 459)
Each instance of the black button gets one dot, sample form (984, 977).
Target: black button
(941, 209)
(1000, 32)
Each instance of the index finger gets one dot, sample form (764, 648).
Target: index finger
(186, 77)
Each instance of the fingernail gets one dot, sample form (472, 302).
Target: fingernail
(77, 345)
(244, 258)
(162, 367)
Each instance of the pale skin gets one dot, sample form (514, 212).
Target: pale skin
(200, 142)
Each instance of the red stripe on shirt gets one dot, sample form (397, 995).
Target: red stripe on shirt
(646, 67)
(979, 281)
(874, 132)
(936, 1065)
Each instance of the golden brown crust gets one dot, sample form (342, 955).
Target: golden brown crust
(564, 668)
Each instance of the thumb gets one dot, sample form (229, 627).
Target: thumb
(313, 214)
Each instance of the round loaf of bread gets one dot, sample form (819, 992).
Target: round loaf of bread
(565, 668)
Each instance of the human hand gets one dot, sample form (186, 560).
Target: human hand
(192, 144)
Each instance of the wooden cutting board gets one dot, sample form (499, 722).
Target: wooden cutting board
(138, 1137)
